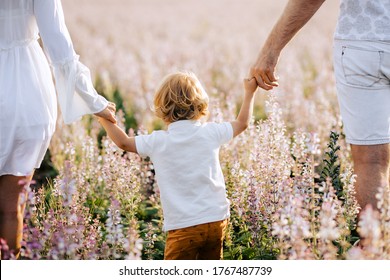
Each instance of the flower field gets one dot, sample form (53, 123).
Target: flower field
(289, 176)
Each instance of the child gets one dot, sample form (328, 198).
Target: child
(186, 162)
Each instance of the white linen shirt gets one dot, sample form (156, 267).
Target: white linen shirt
(188, 171)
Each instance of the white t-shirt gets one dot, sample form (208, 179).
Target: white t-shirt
(364, 20)
(188, 172)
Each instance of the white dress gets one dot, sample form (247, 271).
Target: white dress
(28, 101)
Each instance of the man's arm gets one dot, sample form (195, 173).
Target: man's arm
(118, 136)
(296, 14)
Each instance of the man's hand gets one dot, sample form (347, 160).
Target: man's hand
(296, 14)
(264, 70)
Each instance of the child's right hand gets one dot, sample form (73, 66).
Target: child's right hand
(250, 85)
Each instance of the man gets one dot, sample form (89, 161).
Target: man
(362, 71)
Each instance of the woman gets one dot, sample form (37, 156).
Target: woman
(28, 104)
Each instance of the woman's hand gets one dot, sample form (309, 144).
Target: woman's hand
(108, 113)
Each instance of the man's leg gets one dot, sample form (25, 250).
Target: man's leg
(362, 71)
(371, 165)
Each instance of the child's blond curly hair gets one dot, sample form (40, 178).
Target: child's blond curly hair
(180, 97)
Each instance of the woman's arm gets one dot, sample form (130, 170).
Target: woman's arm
(76, 93)
(244, 117)
(119, 137)
(53, 31)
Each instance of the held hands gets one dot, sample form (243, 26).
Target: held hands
(108, 113)
(250, 85)
(264, 70)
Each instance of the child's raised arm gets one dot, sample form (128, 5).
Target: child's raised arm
(119, 137)
(242, 121)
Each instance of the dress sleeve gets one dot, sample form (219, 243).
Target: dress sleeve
(76, 93)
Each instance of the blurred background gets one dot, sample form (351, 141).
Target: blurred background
(132, 45)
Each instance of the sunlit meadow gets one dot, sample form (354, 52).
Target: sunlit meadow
(289, 176)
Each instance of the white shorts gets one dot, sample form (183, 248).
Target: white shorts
(362, 72)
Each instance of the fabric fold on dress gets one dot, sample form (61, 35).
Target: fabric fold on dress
(76, 93)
